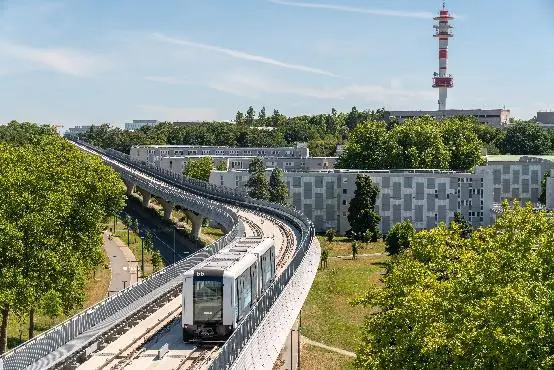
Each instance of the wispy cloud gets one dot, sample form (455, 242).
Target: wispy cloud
(241, 55)
(170, 80)
(352, 9)
(163, 112)
(251, 86)
(67, 61)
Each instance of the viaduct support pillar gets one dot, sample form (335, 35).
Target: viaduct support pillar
(145, 197)
(129, 186)
(196, 221)
(168, 208)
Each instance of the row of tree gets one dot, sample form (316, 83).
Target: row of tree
(322, 132)
(54, 200)
(417, 143)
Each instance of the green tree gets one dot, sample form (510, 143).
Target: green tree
(199, 168)
(460, 224)
(462, 143)
(361, 211)
(55, 198)
(221, 166)
(149, 242)
(257, 184)
(156, 260)
(278, 189)
(261, 117)
(451, 302)
(136, 227)
(239, 118)
(526, 138)
(417, 143)
(330, 234)
(250, 116)
(542, 196)
(399, 237)
(369, 148)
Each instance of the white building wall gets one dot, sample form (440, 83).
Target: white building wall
(424, 198)
(519, 180)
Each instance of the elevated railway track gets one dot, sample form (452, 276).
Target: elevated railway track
(127, 330)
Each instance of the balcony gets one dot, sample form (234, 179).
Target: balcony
(443, 82)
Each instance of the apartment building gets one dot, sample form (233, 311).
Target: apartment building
(138, 123)
(154, 153)
(177, 164)
(426, 197)
(518, 177)
(78, 130)
(494, 117)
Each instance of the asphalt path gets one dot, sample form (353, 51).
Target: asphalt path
(161, 232)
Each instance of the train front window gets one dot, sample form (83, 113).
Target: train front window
(208, 300)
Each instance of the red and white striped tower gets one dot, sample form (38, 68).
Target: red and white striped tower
(442, 80)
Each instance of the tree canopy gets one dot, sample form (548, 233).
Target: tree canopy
(362, 216)
(480, 302)
(526, 138)
(257, 184)
(417, 143)
(199, 168)
(278, 190)
(54, 199)
(399, 237)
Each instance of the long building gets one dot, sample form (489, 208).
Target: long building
(493, 117)
(155, 153)
(426, 197)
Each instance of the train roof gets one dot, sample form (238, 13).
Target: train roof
(236, 258)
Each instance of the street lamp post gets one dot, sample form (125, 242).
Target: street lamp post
(142, 255)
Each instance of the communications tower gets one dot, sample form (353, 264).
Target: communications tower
(442, 80)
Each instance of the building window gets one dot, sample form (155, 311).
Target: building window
(344, 202)
(345, 191)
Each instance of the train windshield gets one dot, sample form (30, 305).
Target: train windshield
(208, 300)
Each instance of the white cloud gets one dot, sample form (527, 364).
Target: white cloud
(252, 86)
(180, 113)
(241, 55)
(170, 80)
(68, 61)
(345, 8)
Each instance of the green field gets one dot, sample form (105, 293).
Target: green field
(316, 358)
(342, 246)
(327, 316)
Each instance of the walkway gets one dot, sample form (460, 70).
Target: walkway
(124, 270)
(329, 348)
(349, 256)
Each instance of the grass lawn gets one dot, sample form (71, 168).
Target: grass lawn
(96, 289)
(316, 358)
(342, 246)
(327, 316)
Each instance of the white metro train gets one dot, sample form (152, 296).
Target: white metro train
(219, 292)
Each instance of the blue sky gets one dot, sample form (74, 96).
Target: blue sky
(82, 62)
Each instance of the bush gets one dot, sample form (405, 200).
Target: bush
(399, 237)
(330, 234)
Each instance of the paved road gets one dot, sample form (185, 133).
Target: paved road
(163, 234)
(124, 271)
